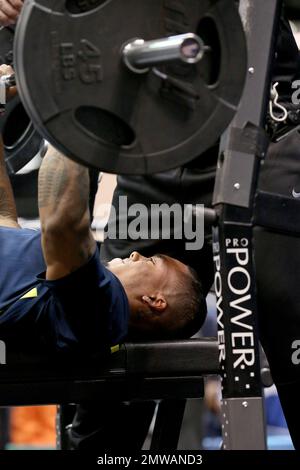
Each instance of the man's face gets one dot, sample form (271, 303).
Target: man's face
(150, 285)
(145, 276)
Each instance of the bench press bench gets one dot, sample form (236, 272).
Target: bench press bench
(173, 371)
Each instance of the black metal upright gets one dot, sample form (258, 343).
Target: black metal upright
(242, 148)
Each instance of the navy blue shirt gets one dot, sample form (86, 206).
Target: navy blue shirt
(83, 312)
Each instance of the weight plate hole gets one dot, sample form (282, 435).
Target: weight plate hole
(77, 7)
(16, 126)
(105, 125)
(208, 32)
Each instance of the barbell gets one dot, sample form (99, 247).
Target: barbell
(130, 87)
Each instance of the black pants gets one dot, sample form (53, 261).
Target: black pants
(180, 186)
(113, 426)
(277, 258)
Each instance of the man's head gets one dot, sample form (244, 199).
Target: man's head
(165, 296)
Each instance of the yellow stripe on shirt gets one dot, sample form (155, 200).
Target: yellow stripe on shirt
(115, 349)
(31, 294)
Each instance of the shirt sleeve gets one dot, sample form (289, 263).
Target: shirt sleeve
(87, 309)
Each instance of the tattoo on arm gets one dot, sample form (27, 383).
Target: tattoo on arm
(63, 203)
(7, 206)
(8, 211)
(63, 185)
(53, 178)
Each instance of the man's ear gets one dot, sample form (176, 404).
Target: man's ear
(156, 302)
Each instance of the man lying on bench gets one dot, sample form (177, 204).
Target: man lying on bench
(55, 294)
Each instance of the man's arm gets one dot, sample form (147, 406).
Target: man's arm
(67, 240)
(8, 211)
(9, 11)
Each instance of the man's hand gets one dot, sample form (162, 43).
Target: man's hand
(8, 70)
(9, 11)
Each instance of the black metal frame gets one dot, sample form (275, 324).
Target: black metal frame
(242, 148)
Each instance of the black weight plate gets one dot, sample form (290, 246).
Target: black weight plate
(6, 45)
(85, 101)
(21, 141)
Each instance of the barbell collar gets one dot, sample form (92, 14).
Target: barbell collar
(139, 55)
